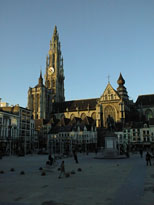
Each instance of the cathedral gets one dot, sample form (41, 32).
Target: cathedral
(42, 97)
(47, 99)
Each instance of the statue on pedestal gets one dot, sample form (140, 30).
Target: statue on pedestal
(110, 123)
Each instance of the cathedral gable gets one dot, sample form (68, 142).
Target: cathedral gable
(109, 94)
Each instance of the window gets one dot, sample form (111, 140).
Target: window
(148, 114)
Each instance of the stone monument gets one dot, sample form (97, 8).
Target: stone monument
(110, 151)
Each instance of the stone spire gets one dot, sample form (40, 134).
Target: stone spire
(54, 77)
(121, 89)
(120, 80)
(47, 62)
(40, 79)
(55, 30)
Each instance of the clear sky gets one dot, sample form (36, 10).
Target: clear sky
(98, 38)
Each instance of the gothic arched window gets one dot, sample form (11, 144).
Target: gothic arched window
(148, 114)
(72, 116)
(83, 115)
(109, 111)
(93, 116)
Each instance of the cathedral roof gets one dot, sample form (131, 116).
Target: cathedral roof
(73, 105)
(145, 100)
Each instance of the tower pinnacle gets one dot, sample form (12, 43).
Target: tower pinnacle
(121, 89)
(55, 30)
(120, 80)
(40, 79)
(54, 77)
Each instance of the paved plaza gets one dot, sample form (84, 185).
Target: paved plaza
(101, 182)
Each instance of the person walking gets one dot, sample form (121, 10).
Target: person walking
(75, 156)
(62, 170)
(148, 158)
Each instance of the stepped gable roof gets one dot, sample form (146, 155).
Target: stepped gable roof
(74, 121)
(145, 100)
(62, 125)
(67, 125)
(88, 121)
(63, 121)
(73, 105)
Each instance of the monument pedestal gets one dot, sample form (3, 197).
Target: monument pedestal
(110, 151)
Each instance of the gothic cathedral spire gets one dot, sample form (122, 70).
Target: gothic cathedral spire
(40, 79)
(54, 77)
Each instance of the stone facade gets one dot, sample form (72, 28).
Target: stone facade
(17, 129)
(41, 97)
(39, 100)
(48, 101)
(110, 104)
(54, 77)
(145, 106)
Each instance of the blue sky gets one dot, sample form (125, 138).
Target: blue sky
(98, 38)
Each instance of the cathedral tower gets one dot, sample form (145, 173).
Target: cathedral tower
(54, 77)
(39, 100)
(41, 97)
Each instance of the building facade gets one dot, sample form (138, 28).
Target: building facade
(18, 128)
(42, 96)
(112, 109)
(48, 100)
(9, 132)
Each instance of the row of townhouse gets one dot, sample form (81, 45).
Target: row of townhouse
(9, 131)
(141, 135)
(80, 138)
(17, 130)
(64, 135)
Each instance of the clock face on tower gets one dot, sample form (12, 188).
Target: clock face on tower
(50, 70)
